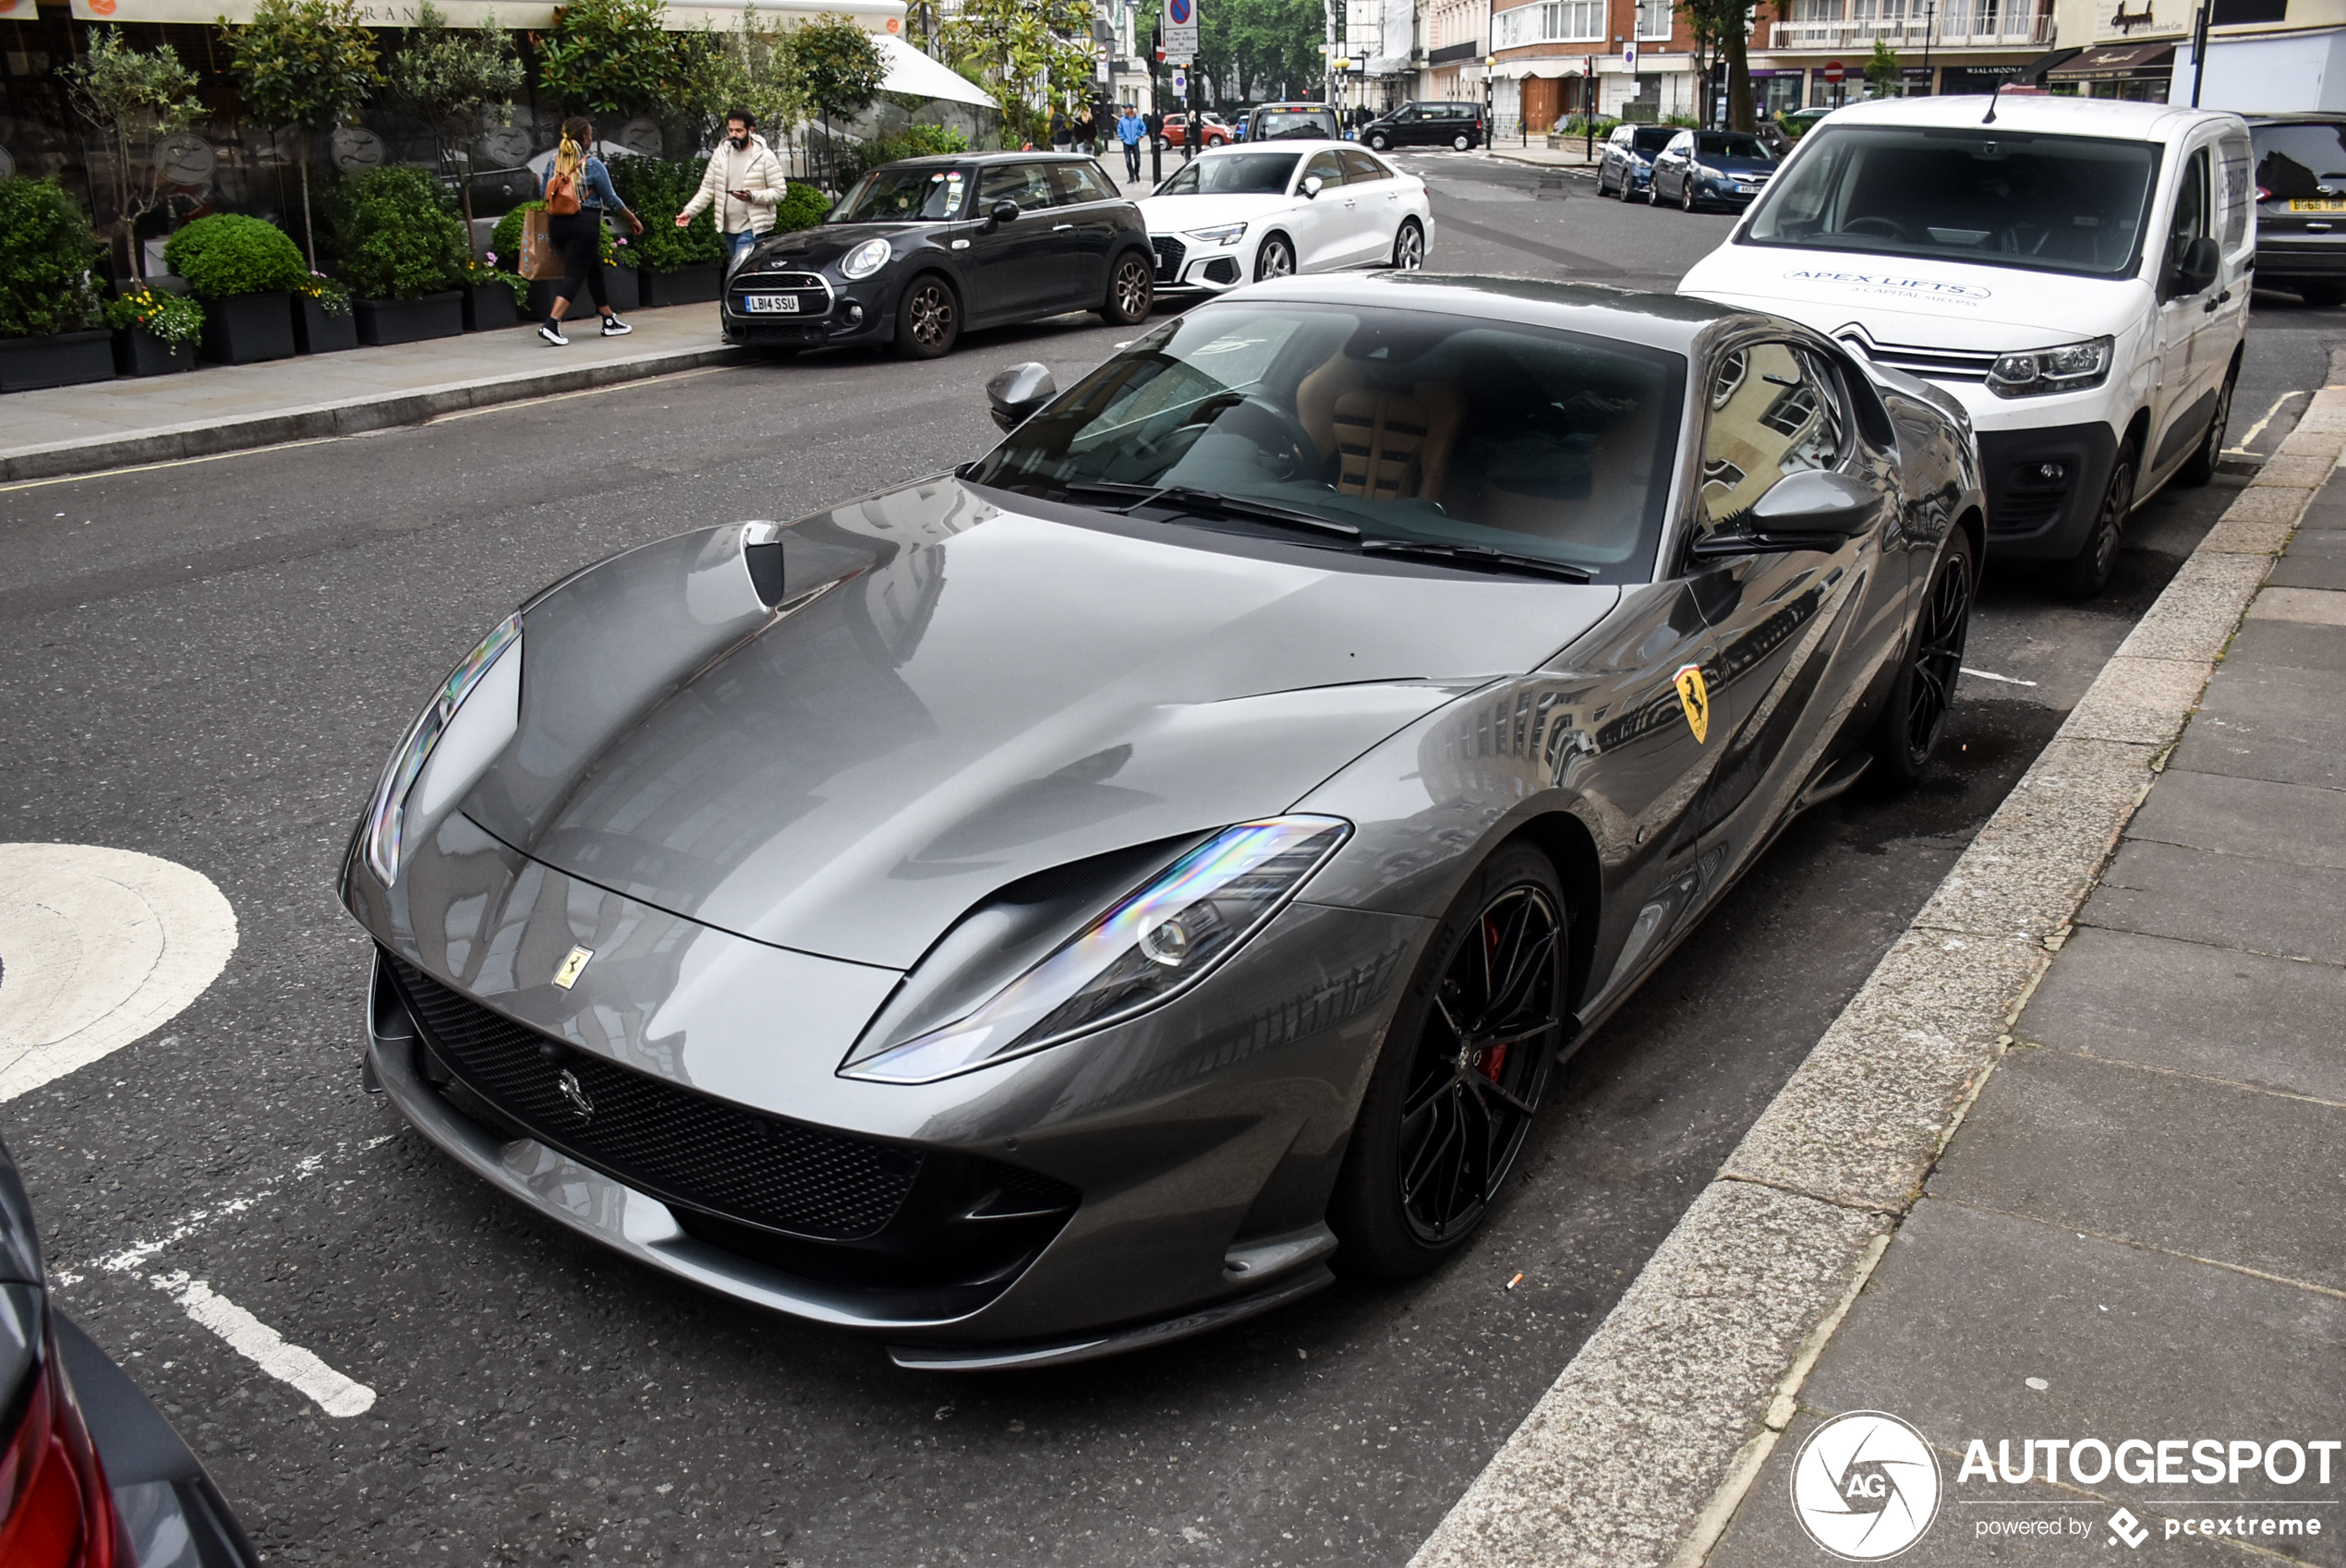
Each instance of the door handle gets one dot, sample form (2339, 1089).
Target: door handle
(1056, 227)
(2223, 298)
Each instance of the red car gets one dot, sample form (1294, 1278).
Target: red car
(1212, 132)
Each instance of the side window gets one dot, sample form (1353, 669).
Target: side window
(1074, 184)
(1360, 168)
(1022, 183)
(2240, 190)
(1773, 412)
(1326, 166)
(2190, 210)
(1682, 144)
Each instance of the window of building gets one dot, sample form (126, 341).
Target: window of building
(1653, 20)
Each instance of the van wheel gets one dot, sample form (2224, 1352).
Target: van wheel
(2200, 466)
(1461, 141)
(1380, 142)
(2088, 572)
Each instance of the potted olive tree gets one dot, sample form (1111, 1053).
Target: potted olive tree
(154, 333)
(246, 271)
(51, 333)
(402, 254)
(304, 63)
(675, 266)
(131, 96)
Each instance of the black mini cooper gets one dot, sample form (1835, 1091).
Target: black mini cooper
(923, 250)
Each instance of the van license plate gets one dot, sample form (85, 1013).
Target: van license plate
(771, 304)
(2302, 206)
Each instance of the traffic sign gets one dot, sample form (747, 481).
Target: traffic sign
(1629, 57)
(1832, 72)
(1180, 83)
(1180, 27)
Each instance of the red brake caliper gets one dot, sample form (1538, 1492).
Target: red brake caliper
(1491, 1058)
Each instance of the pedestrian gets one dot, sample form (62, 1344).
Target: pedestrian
(1059, 129)
(1129, 129)
(1155, 123)
(578, 192)
(746, 182)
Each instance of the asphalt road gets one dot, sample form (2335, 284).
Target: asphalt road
(208, 661)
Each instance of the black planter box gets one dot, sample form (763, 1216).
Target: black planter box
(61, 359)
(246, 328)
(489, 307)
(697, 284)
(618, 282)
(137, 352)
(410, 320)
(320, 331)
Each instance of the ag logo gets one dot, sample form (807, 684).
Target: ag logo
(1865, 1486)
(1694, 695)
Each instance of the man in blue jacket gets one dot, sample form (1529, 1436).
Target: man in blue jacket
(1129, 129)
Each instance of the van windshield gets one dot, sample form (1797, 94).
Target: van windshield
(2048, 203)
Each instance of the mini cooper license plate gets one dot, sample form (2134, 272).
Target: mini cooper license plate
(771, 304)
(2310, 206)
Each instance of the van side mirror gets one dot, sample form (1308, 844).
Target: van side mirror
(1004, 211)
(1018, 393)
(2202, 261)
(1312, 185)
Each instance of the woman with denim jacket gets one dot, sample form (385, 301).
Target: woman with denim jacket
(579, 177)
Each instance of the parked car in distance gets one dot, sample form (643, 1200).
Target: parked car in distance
(2301, 204)
(1290, 122)
(1710, 169)
(1797, 122)
(1457, 125)
(1625, 169)
(1212, 131)
(91, 1476)
(1241, 215)
(920, 250)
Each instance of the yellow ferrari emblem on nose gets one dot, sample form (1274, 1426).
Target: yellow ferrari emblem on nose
(1695, 697)
(566, 973)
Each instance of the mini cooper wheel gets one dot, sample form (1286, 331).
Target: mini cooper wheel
(1275, 260)
(2200, 466)
(1131, 290)
(1465, 1062)
(1916, 719)
(928, 319)
(2088, 572)
(1408, 247)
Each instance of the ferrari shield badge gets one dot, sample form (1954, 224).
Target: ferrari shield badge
(573, 964)
(1695, 697)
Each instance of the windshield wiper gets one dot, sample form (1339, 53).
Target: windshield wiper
(1211, 504)
(1477, 557)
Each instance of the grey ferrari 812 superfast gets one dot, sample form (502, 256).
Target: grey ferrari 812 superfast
(1092, 896)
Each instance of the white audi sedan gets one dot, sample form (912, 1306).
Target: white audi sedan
(1238, 214)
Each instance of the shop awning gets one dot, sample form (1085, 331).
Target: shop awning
(521, 15)
(914, 75)
(2119, 62)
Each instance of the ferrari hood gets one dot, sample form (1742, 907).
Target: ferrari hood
(951, 696)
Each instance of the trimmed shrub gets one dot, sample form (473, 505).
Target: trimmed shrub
(398, 234)
(802, 206)
(46, 251)
(226, 255)
(657, 189)
(913, 141)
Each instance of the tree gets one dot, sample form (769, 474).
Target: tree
(1722, 30)
(447, 77)
(1263, 48)
(610, 57)
(752, 70)
(838, 65)
(304, 63)
(1025, 54)
(133, 94)
(1882, 71)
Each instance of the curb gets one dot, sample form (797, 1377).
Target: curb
(348, 417)
(1641, 1452)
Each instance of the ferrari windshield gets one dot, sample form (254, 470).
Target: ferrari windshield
(903, 194)
(1375, 429)
(2000, 199)
(1234, 173)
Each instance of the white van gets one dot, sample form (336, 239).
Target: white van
(2075, 271)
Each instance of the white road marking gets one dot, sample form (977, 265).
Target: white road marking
(265, 1347)
(1991, 675)
(99, 948)
(2258, 428)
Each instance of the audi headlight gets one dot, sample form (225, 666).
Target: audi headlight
(1152, 945)
(2074, 367)
(866, 259)
(1221, 233)
(498, 653)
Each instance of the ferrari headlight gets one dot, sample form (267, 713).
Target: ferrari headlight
(386, 818)
(1154, 944)
(866, 259)
(1221, 233)
(2074, 367)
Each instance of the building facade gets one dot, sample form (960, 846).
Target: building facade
(2268, 56)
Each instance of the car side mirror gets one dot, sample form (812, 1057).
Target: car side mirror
(1312, 185)
(1811, 510)
(1004, 211)
(1018, 393)
(2198, 268)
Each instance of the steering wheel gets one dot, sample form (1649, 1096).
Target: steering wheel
(1279, 436)
(1875, 223)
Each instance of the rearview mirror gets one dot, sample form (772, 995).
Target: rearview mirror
(2198, 268)
(1018, 393)
(1312, 185)
(1811, 510)
(1005, 212)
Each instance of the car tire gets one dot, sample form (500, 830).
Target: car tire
(1408, 247)
(1379, 142)
(1453, 1075)
(1686, 196)
(2088, 572)
(1131, 291)
(1461, 142)
(2200, 466)
(1275, 257)
(2322, 295)
(1915, 720)
(928, 319)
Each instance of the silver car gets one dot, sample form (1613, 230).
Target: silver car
(1084, 899)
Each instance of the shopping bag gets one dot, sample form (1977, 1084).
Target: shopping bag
(540, 258)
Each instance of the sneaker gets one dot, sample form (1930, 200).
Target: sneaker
(615, 328)
(553, 332)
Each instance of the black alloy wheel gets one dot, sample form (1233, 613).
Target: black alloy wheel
(2088, 572)
(1131, 290)
(1408, 247)
(1275, 260)
(1916, 719)
(928, 319)
(2200, 466)
(1466, 1061)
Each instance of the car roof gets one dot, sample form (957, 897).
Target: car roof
(2312, 118)
(1657, 320)
(1295, 104)
(1285, 144)
(962, 159)
(2031, 112)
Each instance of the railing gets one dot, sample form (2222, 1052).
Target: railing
(1941, 32)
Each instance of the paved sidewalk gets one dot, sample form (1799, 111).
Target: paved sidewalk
(226, 407)
(1569, 156)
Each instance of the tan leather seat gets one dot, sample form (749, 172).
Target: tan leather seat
(1391, 444)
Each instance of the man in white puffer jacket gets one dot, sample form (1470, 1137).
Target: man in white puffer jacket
(744, 179)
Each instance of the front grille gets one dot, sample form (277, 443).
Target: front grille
(672, 1142)
(776, 282)
(1170, 252)
(813, 295)
(1931, 364)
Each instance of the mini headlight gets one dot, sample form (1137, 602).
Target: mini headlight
(1221, 233)
(866, 259)
(2074, 367)
(386, 817)
(1157, 943)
